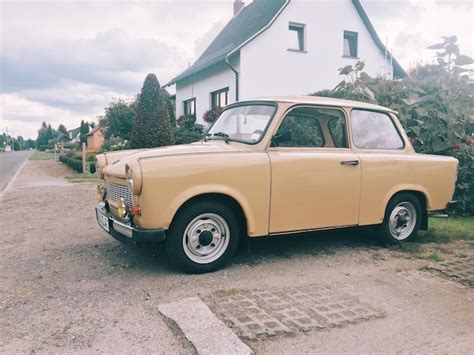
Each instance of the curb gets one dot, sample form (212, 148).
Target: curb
(13, 178)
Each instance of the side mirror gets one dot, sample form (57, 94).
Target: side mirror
(283, 136)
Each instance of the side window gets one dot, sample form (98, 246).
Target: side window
(374, 130)
(337, 129)
(303, 127)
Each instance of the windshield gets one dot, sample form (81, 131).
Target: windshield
(245, 124)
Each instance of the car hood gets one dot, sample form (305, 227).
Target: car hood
(117, 168)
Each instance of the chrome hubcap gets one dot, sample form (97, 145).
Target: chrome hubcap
(402, 220)
(206, 238)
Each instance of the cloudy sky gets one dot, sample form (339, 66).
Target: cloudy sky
(63, 61)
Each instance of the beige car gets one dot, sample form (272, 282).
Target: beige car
(269, 167)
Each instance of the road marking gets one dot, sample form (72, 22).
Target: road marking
(202, 328)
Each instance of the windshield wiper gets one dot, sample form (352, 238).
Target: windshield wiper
(220, 134)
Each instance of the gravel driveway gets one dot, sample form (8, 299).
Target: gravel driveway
(65, 286)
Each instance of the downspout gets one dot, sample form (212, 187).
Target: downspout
(236, 72)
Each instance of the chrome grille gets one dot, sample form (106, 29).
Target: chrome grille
(115, 191)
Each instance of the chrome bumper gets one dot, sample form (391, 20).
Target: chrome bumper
(127, 232)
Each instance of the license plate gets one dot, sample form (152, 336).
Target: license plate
(103, 221)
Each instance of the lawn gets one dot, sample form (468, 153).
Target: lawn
(37, 155)
(444, 230)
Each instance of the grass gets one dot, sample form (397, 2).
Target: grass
(445, 230)
(435, 256)
(78, 177)
(37, 155)
(441, 232)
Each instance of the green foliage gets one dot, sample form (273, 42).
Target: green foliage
(170, 106)
(118, 119)
(436, 108)
(45, 134)
(72, 162)
(115, 143)
(76, 163)
(212, 115)
(152, 125)
(83, 132)
(187, 130)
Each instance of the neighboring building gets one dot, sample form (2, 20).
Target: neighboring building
(282, 47)
(74, 134)
(95, 138)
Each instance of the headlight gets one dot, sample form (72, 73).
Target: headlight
(122, 209)
(130, 179)
(134, 177)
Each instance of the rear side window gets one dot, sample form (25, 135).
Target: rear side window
(374, 130)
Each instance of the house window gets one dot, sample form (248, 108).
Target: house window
(297, 37)
(350, 44)
(219, 98)
(190, 107)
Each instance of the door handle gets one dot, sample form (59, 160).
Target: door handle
(350, 162)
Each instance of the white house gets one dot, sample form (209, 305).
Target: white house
(282, 47)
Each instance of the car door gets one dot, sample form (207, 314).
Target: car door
(315, 176)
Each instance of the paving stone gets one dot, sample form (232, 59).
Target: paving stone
(266, 313)
(460, 270)
(201, 327)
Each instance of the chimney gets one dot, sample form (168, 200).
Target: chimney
(238, 5)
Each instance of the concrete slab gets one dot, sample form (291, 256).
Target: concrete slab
(202, 328)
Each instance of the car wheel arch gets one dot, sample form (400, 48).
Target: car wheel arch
(226, 199)
(424, 202)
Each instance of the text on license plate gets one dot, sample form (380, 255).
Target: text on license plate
(103, 221)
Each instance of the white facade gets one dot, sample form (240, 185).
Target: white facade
(268, 68)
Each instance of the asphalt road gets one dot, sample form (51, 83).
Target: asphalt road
(9, 163)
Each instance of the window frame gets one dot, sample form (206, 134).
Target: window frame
(273, 104)
(217, 95)
(187, 102)
(299, 28)
(351, 35)
(332, 135)
(337, 108)
(397, 129)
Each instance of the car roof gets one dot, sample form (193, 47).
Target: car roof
(326, 101)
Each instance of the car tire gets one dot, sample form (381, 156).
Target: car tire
(402, 219)
(203, 237)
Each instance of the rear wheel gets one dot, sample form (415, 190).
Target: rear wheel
(203, 237)
(402, 219)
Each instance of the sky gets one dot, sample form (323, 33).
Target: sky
(65, 61)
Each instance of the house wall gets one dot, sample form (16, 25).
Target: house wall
(268, 68)
(202, 84)
(95, 141)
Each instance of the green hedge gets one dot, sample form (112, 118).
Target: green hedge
(75, 163)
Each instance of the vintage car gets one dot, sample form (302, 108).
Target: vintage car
(269, 167)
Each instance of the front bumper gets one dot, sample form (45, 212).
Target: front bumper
(126, 233)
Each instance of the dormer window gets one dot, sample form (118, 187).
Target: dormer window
(350, 44)
(297, 37)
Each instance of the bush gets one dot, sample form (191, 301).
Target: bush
(75, 163)
(188, 131)
(45, 147)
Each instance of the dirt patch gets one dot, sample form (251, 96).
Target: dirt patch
(66, 286)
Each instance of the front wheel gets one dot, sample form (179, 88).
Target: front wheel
(402, 219)
(203, 237)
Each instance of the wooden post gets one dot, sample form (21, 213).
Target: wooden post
(55, 147)
(84, 158)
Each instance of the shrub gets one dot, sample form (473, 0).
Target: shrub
(212, 115)
(75, 163)
(188, 131)
(45, 147)
(151, 125)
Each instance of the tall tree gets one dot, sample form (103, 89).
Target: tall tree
(152, 125)
(83, 131)
(118, 119)
(42, 135)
